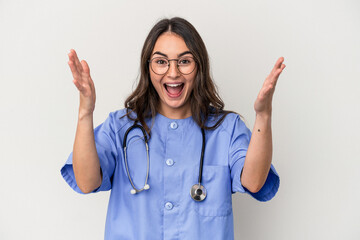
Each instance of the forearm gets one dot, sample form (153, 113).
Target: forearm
(86, 163)
(259, 154)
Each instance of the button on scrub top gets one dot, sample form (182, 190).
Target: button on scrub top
(166, 210)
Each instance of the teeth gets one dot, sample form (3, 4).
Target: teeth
(173, 85)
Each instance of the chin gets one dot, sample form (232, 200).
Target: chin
(177, 105)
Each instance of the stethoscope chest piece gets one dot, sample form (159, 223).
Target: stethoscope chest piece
(198, 192)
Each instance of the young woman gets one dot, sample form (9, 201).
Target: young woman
(176, 181)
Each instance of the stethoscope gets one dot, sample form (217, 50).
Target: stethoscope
(197, 191)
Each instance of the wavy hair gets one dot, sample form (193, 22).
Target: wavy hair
(204, 99)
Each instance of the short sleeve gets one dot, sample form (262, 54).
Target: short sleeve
(107, 152)
(240, 140)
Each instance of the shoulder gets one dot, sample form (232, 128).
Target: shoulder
(119, 119)
(232, 122)
(120, 114)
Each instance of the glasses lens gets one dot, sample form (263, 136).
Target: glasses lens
(186, 65)
(159, 65)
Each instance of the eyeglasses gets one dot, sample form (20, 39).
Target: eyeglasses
(160, 65)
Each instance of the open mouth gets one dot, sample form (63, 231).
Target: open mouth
(174, 89)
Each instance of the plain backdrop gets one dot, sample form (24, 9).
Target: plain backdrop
(316, 111)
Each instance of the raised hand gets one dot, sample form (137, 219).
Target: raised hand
(83, 82)
(263, 103)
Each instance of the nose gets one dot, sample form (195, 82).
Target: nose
(173, 71)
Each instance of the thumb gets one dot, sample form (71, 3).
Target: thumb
(85, 66)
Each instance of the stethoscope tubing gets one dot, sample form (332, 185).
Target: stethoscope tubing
(197, 191)
(146, 186)
(202, 155)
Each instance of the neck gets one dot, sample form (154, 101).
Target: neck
(177, 113)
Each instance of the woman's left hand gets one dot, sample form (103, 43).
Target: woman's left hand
(263, 103)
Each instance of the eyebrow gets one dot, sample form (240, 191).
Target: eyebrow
(179, 55)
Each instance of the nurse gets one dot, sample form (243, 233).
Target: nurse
(174, 101)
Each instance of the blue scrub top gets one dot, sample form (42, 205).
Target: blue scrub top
(166, 210)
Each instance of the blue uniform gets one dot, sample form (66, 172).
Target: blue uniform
(166, 210)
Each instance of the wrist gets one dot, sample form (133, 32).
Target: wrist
(85, 115)
(264, 115)
(262, 122)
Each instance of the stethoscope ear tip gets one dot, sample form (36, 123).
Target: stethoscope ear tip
(134, 191)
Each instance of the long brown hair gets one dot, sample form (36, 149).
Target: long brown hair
(204, 99)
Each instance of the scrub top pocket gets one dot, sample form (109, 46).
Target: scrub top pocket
(218, 201)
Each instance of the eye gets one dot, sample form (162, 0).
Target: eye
(161, 61)
(185, 61)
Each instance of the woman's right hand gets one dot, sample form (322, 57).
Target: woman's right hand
(84, 83)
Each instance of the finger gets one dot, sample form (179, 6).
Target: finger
(91, 83)
(78, 85)
(277, 65)
(271, 77)
(73, 60)
(83, 88)
(76, 60)
(277, 75)
(271, 80)
(279, 71)
(79, 74)
(279, 62)
(72, 57)
(86, 74)
(85, 66)
(87, 71)
(74, 70)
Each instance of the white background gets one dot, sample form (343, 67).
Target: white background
(316, 109)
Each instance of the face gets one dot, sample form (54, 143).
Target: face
(173, 87)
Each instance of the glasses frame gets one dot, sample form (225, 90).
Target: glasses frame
(177, 65)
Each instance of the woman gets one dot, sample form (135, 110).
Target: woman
(168, 193)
